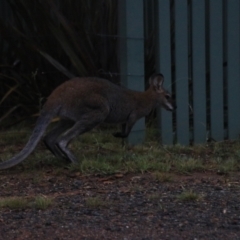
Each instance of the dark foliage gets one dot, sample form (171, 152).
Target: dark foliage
(47, 42)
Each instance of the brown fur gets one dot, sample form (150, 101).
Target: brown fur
(83, 103)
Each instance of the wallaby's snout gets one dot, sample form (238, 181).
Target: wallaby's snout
(170, 104)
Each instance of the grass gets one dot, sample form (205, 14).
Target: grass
(17, 203)
(95, 202)
(162, 177)
(188, 165)
(227, 166)
(100, 153)
(15, 136)
(42, 202)
(188, 196)
(14, 203)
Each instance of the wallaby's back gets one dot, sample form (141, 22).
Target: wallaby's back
(79, 95)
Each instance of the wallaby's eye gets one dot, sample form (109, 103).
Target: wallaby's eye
(167, 97)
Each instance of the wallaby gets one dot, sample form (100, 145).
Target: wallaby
(82, 104)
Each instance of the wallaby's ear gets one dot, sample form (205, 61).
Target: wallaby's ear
(157, 80)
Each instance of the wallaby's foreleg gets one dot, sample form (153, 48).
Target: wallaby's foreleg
(122, 133)
(126, 127)
(51, 138)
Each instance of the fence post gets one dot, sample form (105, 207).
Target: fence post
(181, 70)
(233, 63)
(131, 53)
(163, 65)
(216, 68)
(199, 71)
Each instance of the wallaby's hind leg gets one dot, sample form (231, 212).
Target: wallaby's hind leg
(50, 139)
(85, 124)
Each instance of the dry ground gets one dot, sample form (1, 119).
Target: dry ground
(131, 206)
(147, 193)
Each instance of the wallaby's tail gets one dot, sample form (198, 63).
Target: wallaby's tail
(38, 131)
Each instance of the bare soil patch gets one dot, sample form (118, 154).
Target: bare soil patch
(132, 206)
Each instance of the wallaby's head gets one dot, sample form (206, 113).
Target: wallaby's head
(164, 97)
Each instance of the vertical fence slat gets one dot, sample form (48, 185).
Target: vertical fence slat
(216, 69)
(164, 66)
(233, 63)
(199, 71)
(181, 63)
(131, 51)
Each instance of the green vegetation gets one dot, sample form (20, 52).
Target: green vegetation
(15, 136)
(162, 177)
(188, 165)
(95, 202)
(14, 202)
(227, 166)
(39, 53)
(17, 203)
(99, 152)
(188, 196)
(42, 202)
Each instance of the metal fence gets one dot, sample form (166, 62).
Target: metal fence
(198, 44)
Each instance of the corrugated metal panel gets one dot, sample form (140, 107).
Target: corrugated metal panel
(164, 65)
(181, 74)
(199, 71)
(198, 51)
(233, 73)
(131, 28)
(216, 68)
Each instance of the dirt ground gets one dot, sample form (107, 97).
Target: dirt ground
(128, 206)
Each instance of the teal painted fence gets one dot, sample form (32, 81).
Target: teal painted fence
(199, 51)
(197, 48)
(131, 54)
